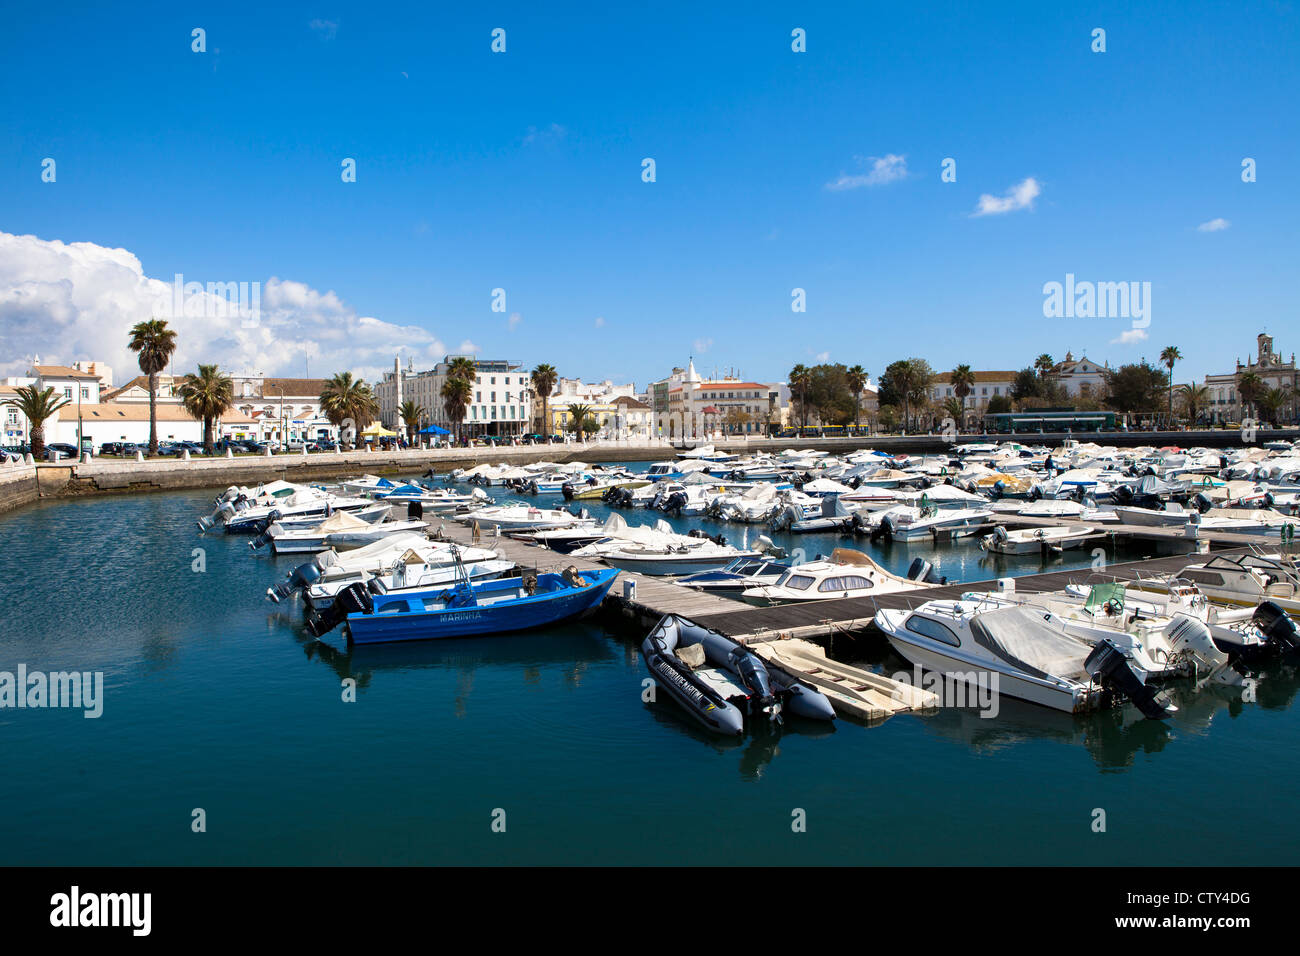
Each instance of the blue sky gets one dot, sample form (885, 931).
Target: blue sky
(522, 171)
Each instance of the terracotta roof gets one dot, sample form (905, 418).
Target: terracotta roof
(629, 402)
(62, 371)
(139, 412)
(717, 385)
(294, 387)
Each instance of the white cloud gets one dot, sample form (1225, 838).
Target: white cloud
(884, 169)
(69, 301)
(546, 135)
(823, 356)
(1019, 196)
(325, 29)
(1214, 225)
(514, 320)
(1130, 337)
(702, 345)
(600, 321)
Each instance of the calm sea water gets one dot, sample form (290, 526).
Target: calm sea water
(216, 699)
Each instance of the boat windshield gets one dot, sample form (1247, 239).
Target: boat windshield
(797, 582)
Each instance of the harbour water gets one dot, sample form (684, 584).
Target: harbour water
(216, 700)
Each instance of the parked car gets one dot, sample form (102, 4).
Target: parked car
(327, 444)
(111, 448)
(60, 450)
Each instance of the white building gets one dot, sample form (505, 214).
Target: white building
(500, 401)
(686, 405)
(1081, 377)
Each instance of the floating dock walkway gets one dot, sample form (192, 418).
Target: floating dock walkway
(652, 597)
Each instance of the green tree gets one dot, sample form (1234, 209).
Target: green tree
(906, 382)
(962, 380)
(207, 396)
(857, 378)
(345, 399)
(411, 415)
(1135, 387)
(1249, 388)
(37, 406)
(581, 420)
(457, 392)
(800, 379)
(1168, 357)
(544, 379)
(1270, 402)
(1195, 398)
(155, 343)
(1043, 365)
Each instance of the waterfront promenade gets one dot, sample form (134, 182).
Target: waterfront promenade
(22, 483)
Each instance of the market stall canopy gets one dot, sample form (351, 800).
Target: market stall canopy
(377, 429)
(433, 430)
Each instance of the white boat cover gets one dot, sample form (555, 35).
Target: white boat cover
(1028, 641)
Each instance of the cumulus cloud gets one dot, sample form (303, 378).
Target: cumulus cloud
(883, 169)
(1130, 337)
(69, 301)
(1214, 225)
(514, 320)
(1019, 196)
(600, 321)
(325, 29)
(702, 345)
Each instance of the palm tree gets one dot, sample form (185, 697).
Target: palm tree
(456, 395)
(962, 380)
(1168, 357)
(1195, 398)
(544, 378)
(1270, 403)
(800, 381)
(344, 399)
(1043, 365)
(857, 380)
(207, 396)
(580, 414)
(155, 342)
(36, 405)
(463, 367)
(954, 408)
(1249, 387)
(411, 415)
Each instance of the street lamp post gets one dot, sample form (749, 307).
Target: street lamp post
(283, 436)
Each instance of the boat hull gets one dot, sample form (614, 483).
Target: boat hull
(476, 621)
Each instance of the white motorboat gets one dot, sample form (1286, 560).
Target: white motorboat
(1042, 541)
(848, 574)
(374, 558)
(1241, 580)
(518, 517)
(661, 561)
(341, 531)
(408, 573)
(1022, 653)
(906, 523)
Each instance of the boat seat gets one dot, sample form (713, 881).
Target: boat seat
(692, 655)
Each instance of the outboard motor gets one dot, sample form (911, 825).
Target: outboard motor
(756, 680)
(922, 570)
(675, 502)
(885, 530)
(1277, 626)
(262, 540)
(1202, 502)
(299, 579)
(353, 599)
(415, 511)
(567, 490)
(265, 523)
(1191, 636)
(1110, 668)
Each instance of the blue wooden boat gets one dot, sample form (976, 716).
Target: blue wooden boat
(468, 609)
